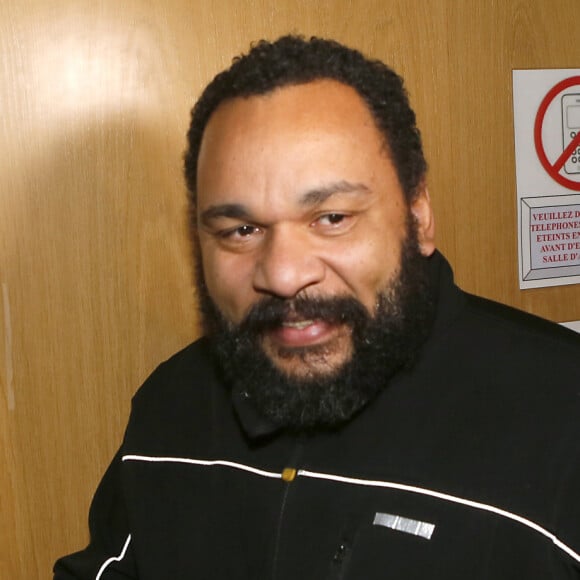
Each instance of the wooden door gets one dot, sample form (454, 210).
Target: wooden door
(95, 265)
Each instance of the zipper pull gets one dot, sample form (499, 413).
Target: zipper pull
(289, 474)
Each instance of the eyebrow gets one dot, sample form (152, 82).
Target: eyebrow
(225, 210)
(310, 198)
(321, 194)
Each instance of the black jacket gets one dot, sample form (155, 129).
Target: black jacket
(466, 467)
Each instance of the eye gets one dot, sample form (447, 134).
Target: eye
(333, 223)
(244, 231)
(239, 234)
(332, 219)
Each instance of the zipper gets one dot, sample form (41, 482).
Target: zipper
(288, 476)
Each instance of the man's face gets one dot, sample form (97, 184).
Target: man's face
(297, 197)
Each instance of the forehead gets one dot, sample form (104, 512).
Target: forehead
(323, 100)
(289, 136)
(306, 107)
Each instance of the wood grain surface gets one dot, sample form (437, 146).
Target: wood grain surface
(95, 267)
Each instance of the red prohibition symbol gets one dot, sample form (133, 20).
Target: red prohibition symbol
(553, 169)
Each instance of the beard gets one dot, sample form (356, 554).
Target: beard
(320, 396)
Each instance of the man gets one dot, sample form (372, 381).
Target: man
(351, 413)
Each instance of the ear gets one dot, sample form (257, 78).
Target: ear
(423, 214)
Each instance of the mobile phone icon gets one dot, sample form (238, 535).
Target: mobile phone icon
(570, 128)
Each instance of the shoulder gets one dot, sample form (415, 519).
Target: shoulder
(190, 366)
(480, 338)
(510, 317)
(521, 362)
(506, 359)
(514, 324)
(182, 394)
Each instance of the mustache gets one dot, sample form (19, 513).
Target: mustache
(271, 312)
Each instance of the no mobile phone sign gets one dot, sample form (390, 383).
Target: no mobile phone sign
(571, 138)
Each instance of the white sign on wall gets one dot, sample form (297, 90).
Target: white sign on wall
(547, 147)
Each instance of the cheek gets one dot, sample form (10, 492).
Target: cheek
(369, 267)
(229, 283)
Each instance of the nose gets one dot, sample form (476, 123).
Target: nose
(287, 264)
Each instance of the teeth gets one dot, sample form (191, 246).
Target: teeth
(298, 324)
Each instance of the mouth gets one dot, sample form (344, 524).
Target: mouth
(304, 333)
(309, 347)
(299, 324)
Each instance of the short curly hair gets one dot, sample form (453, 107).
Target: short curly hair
(294, 60)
